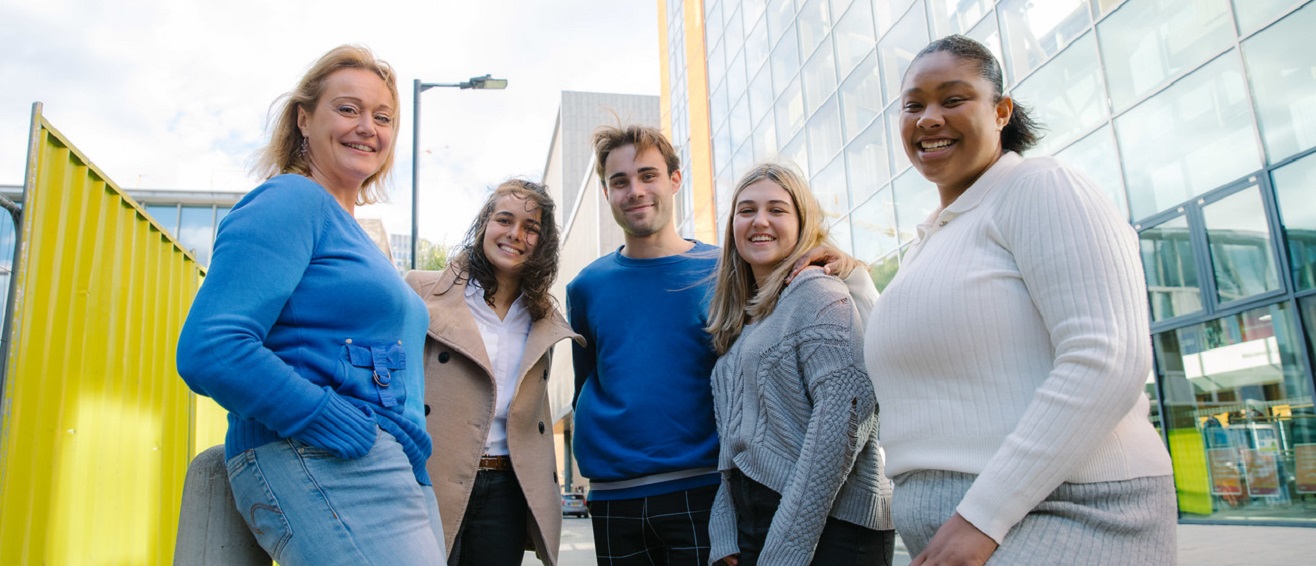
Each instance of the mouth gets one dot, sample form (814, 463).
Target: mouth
(510, 250)
(639, 207)
(360, 147)
(934, 145)
(761, 239)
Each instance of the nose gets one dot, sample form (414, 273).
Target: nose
(930, 118)
(365, 125)
(516, 234)
(760, 219)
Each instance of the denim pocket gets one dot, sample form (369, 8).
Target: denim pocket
(257, 504)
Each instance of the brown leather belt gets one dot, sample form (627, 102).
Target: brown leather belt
(495, 463)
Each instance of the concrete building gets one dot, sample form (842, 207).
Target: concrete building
(1197, 119)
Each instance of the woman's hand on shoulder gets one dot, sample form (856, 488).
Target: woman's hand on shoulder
(833, 262)
(732, 560)
(957, 543)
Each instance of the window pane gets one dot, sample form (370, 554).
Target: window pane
(740, 122)
(815, 23)
(1284, 83)
(955, 16)
(757, 47)
(712, 17)
(722, 147)
(1171, 269)
(197, 231)
(796, 153)
(870, 167)
(887, 12)
(840, 233)
(790, 110)
(717, 65)
(736, 77)
(874, 224)
(829, 186)
(1294, 186)
(916, 199)
(1067, 95)
(1241, 256)
(718, 108)
(884, 270)
(899, 159)
(1252, 14)
(1237, 403)
(780, 15)
(166, 215)
(1096, 158)
(1193, 137)
(1034, 31)
(785, 59)
(743, 160)
(825, 133)
(898, 48)
(765, 141)
(1147, 42)
(819, 78)
(760, 94)
(734, 37)
(988, 34)
(854, 37)
(861, 97)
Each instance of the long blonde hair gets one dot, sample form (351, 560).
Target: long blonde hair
(737, 294)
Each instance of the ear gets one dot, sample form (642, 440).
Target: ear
(1004, 110)
(676, 180)
(302, 119)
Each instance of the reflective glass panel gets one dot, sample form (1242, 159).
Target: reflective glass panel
(760, 94)
(8, 240)
(743, 159)
(861, 97)
(722, 147)
(1241, 253)
(899, 159)
(887, 12)
(870, 166)
(988, 34)
(713, 20)
(814, 22)
(780, 15)
(819, 76)
(166, 215)
(898, 48)
(1147, 42)
(840, 233)
(1284, 83)
(1103, 7)
(829, 188)
(1066, 95)
(1252, 14)
(740, 121)
(956, 16)
(765, 141)
(790, 110)
(753, 9)
(1294, 186)
(916, 200)
(1034, 31)
(1238, 416)
(737, 80)
(197, 231)
(874, 224)
(757, 47)
(1096, 158)
(719, 110)
(1171, 269)
(785, 59)
(854, 36)
(1189, 139)
(825, 133)
(734, 37)
(884, 270)
(796, 153)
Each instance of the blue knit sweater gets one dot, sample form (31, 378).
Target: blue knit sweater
(644, 410)
(304, 330)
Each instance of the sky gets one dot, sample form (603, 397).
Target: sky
(175, 94)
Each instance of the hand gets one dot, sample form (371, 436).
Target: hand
(732, 560)
(832, 260)
(957, 543)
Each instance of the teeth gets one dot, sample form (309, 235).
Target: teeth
(934, 145)
(761, 239)
(509, 250)
(360, 147)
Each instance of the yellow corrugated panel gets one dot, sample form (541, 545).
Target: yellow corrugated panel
(98, 428)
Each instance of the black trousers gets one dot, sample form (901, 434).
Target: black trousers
(841, 542)
(493, 530)
(664, 530)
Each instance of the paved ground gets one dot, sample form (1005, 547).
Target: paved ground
(1199, 545)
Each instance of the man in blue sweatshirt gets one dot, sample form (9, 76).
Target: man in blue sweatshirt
(645, 431)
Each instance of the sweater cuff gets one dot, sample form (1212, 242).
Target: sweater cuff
(340, 427)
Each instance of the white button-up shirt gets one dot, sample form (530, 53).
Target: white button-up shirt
(504, 340)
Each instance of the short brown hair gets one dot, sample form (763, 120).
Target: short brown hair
(608, 138)
(283, 154)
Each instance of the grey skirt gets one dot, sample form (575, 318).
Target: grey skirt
(1131, 522)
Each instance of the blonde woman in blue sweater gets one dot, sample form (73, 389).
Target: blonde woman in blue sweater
(802, 479)
(310, 339)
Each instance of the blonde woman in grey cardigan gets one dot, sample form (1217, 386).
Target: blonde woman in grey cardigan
(802, 476)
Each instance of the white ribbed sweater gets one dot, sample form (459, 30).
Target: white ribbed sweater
(1014, 344)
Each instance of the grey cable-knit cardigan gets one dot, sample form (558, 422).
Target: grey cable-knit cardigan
(796, 412)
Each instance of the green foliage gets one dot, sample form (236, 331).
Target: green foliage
(431, 256)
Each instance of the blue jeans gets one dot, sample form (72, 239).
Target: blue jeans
(307, 507)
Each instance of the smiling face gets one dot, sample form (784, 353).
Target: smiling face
(511, 235)
(766, 226)
(951, 122)
(640, 190)
(349, 133)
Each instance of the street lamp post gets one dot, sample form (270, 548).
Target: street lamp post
(477, 83)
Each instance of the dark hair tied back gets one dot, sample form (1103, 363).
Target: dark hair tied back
(1022, 132)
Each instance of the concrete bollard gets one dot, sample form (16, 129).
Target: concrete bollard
(211, 532)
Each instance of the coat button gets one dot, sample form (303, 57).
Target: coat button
(443, 357)
(541, 427)
(427, 409)
(545, 375)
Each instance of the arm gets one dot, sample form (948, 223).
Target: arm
(833, 261)
(261, 252)
(582, 356)
(1079, 261)
(843, 414)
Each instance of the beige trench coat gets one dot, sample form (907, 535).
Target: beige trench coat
(459, 398)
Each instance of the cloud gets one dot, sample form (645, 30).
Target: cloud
(174, 95)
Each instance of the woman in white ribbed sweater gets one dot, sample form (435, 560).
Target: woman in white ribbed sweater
(1011, 350)
(801, 472)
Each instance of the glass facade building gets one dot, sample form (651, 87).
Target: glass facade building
(1197, 119)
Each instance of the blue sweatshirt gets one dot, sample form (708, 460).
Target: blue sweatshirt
(644, 408)
(303, 329)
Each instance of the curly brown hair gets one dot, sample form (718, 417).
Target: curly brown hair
(539, 272)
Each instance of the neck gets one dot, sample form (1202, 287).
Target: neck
(949, 193)
(663, 243)
(344, 193)
(509, 288)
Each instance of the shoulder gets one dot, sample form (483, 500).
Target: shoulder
(812, 293)
(423, 281)
(1047, 178)
(285, 190)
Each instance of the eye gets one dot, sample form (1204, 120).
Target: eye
(503, 221)
(954, 101)
(347, 109)
(649, 177)
(532, 229)
(912, 107)
(384, 119)
(745, 210)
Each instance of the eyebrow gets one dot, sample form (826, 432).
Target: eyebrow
(942, 86)
(773, 201)
(505, 212)
(623, 173)
(350, 98)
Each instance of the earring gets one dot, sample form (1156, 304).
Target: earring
(304, 148)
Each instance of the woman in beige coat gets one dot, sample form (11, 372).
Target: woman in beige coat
(492, 326)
